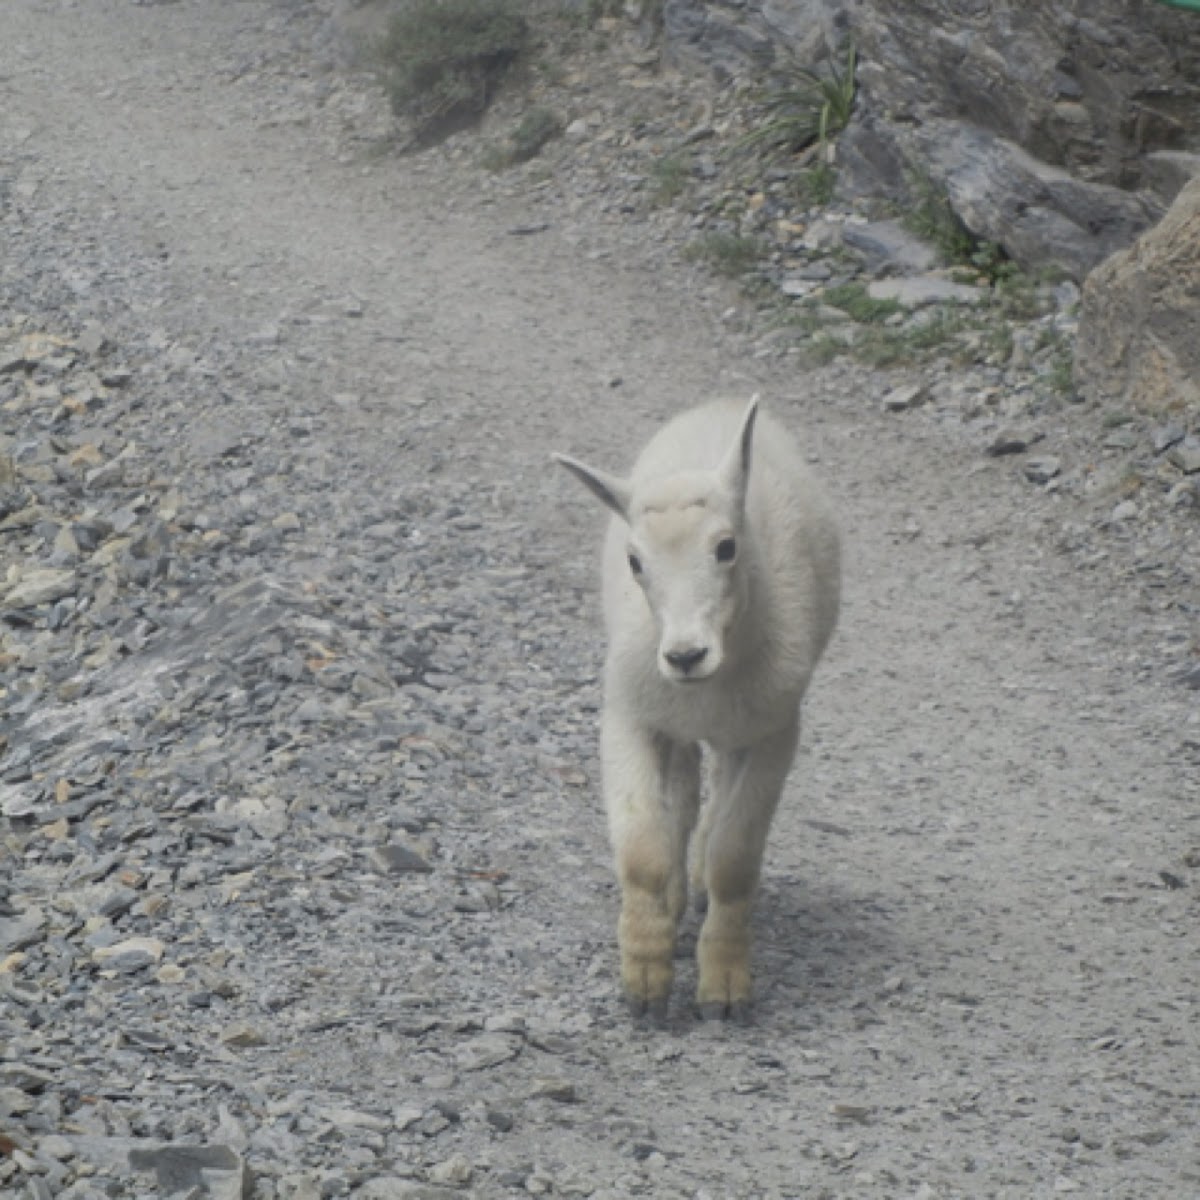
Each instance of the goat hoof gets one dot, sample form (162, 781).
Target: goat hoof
(650, 1013)
(738, 1012)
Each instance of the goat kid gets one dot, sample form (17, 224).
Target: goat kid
(721, 590)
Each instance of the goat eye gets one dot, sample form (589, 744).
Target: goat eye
(635, 564)
(726, 550)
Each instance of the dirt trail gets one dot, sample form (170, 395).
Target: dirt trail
(974, 978)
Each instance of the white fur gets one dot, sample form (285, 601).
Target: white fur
(706, 651)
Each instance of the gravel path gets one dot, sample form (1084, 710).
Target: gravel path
(305, 888)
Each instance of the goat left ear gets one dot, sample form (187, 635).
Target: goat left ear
(735, 470)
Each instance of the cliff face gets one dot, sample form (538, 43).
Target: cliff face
(1141, 309)
(1060, 129)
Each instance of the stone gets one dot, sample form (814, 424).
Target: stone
(1140, 310)
(397, 859)
(554, 1088)
(132, 954)
(216, 1172)
(499, 1120)
(888, 246)
(349, 1118)
(391, 1187)
(1040, 214)
(796, 287)
(18, 933)
(916, 291)
(1186, 455)
(24, 1077)
(1166, 436)
(1042, 470)
(242, 1035)
(487, 1051)
(37, 587)
(900, 399)
(1008, 441)
(456, 1171)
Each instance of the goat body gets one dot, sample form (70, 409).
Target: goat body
(721, 590)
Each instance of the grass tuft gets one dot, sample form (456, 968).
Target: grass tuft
(730, 254)
(813, 108)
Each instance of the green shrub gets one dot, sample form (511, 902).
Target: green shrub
(528, 136)
(932, 218)
(815, 186)
(812, 108)
(440, 61)
(668, 178)
(729, 254)
(854, 300)
(532, 132)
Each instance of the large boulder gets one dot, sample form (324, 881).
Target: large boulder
(1140, 316)
(1058, 130)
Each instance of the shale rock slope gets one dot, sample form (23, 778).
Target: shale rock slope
(305, 889)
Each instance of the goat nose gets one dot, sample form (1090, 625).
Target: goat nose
(685, 660)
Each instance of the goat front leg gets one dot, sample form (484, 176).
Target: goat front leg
(652, 792)
(746, 787)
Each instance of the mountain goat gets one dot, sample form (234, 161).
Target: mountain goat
(721, 590)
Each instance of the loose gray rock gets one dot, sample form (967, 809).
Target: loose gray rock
(397, 859)
(37, 587)
(216, 1171)
(918, 291)
(1042, 470)
(888, 246)
(1186, 455)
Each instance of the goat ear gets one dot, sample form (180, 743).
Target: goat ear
(614, 492)
(735, 470)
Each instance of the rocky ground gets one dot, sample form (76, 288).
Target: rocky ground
(305, 887)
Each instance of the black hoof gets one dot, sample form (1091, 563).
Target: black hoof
(739, 1013)
(652, 1014)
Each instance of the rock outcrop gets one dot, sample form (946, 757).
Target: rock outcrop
(1058, 130)
(1137, 340)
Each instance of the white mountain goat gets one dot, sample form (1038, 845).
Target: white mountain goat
(721, 590)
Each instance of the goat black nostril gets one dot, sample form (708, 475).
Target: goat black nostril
(685, 660)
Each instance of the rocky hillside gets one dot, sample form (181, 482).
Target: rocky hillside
(1058, 130)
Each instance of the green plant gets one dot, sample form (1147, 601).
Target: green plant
(813, 108)
(440, 61)
(931, 217)
(854, 300)
(669, 176)
(729, 254)
(815, 185)
(528, 136)
(533, 131)
(1060, 378)
(941, 333)
(1016, 297)
(823, 348)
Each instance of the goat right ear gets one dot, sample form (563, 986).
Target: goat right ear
(615, 493)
